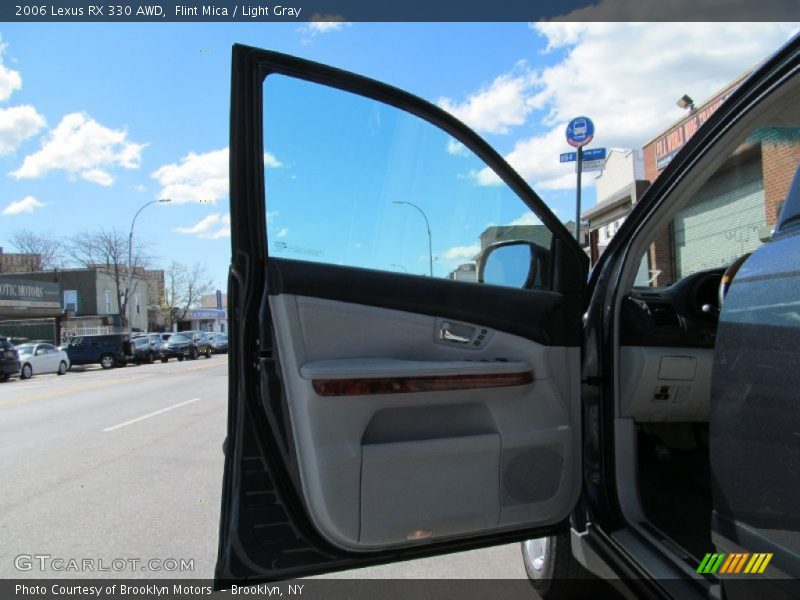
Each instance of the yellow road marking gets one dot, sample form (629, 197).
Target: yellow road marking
(92, 386)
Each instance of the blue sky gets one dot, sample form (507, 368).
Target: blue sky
(96, 119)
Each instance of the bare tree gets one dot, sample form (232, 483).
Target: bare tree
(183, 287)
(47, 246)
(108, 248)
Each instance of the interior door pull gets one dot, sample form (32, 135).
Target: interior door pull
(458, 334)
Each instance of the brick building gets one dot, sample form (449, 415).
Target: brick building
(13, 262)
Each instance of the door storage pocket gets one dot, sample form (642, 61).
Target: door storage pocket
(429, 488)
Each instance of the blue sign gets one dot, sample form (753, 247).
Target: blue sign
(580, 131)
(594, 154)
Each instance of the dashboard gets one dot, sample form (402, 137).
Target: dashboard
(684, 314)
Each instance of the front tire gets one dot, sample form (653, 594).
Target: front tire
(193, 354)
(151, 358)
(4, 377)
(107, 361)
(26, 372)
(553, 571)
(163, 360)
(180, 359)
(62, 368)
(208, 353)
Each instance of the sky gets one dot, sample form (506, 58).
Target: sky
(98, 119)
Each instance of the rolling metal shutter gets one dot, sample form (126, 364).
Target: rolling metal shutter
(723, 220)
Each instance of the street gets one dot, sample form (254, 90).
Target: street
(127, 464)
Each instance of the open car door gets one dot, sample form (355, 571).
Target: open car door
(398, 387)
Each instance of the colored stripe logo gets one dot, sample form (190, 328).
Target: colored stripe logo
(735, 563)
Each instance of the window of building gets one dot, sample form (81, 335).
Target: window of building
(138, 308)
(108, 302)
(71, 300)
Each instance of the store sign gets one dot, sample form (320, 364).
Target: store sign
(20, 292)
(667, 145)
(203, 314)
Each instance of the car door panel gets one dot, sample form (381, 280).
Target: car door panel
(340, 437)
(375, 416)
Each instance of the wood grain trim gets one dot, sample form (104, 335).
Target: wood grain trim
(368, 386)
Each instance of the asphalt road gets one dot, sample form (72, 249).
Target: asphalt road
(127, 464)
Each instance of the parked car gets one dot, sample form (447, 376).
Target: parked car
(186, 344)
(9, 359)
(143, 350)
(639, 432)
(36, 359)
(108, 350)
(219, 342)
(156, 341)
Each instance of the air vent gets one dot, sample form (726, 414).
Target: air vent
(664, 315)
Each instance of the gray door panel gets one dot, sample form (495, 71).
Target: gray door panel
(381, 470)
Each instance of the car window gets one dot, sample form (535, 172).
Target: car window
(352, 181)
(732, 213)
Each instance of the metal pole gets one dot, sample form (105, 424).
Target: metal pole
(578, 197)
(130, 263)
(428, 228)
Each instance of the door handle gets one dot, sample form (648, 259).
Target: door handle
(458, 334)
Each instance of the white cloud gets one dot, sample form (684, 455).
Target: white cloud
(200, 177)
(320, 24)
(214, 226)
(27, 205)
(496, 106)
(10, 80)
(82, 147)
(283, 233)
(17, 124)
(270, 162)
(457, 253)
(627, 77)
(456, 148)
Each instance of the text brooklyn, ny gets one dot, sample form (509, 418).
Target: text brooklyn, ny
(245, 10)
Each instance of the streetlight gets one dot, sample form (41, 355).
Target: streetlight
(130, 262)
(427, 226)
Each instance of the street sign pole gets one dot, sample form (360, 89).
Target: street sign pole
(578, 197)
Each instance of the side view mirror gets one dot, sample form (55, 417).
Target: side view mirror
(516, 263)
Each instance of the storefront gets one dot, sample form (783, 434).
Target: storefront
(29, 310)
(205, 319)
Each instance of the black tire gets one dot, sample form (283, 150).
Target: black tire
(164, 359)
(151, 358)
(4, 377)
(180, 358)
(62, 368)
(208, 353)
(555, 574)
(193, 353)
(107, 361)
(26, 372)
